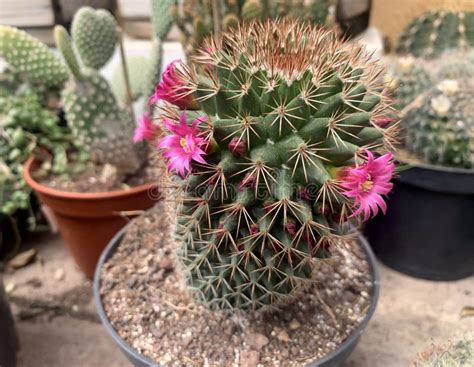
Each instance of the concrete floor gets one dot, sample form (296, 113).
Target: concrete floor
(58, 325)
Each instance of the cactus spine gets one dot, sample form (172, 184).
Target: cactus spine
(437, 31)
(285, 109)
(28, 56)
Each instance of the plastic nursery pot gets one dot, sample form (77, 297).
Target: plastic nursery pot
(9, 343)
(333, 359)
(87, 221)
(428, 230)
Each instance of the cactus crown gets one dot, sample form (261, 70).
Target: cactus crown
(286, 108)
(437, 31)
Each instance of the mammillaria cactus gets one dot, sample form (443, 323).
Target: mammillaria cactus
(441, 129)
(95, 36)
(408, 78)
(437, 31)
(94, 115)
(278, 143)
(27, 55)
(195, 18)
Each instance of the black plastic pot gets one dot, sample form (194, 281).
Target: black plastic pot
(333, 359)
(428, 230)
(9, 343)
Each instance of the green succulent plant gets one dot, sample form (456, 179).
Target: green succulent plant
(436, 32)
(408, 79)
(285, 110)
(94, 115)
(28, 56)
(440, 129)
(95, 36)
(26, 127)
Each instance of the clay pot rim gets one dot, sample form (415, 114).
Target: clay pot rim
(90, 196)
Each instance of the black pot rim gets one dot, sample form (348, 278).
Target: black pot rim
(115, 241)
(449, 180)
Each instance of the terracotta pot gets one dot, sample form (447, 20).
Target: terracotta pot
(87, 221)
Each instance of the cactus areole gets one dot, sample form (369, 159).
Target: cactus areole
(283, 148)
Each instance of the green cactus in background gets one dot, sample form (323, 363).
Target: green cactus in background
(286, 110)
(135, 66)
(95, 36)
(440, 130)
(28, 56)
(437, 31)
(162, 17)
(458, 354)
(153, 70)
(195, 17)
(408, 78)
(455, 65)
(94, 115)
(144, 74)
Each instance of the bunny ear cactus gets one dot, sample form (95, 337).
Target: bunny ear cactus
(441, 129)
(95, 36)
(437, 31)
(274, 150)
(94, 115)
(162, 17)
(33, 59)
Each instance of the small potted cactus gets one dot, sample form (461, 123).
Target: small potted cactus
(274, 142)
(434, 96)
(88, 214)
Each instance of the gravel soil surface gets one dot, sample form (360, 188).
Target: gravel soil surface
(145, 298)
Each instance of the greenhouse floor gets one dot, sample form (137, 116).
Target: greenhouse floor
(58, 325)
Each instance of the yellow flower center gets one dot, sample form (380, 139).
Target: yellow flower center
(183, 143)
(367, 185)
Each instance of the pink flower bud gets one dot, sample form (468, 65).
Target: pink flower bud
(238, 147)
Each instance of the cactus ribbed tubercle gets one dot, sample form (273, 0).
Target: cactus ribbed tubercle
(277, 155)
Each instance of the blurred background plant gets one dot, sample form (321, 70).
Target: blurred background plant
(197, 19)
(27, 127)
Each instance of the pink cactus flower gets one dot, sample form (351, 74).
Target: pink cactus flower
(366, 184)
(145, 129)
(183, 145)
(173, 88)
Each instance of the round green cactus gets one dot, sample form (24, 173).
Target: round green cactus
(408, 78)
(441, 129)
(456, 65)
(286, 108)
(95, 36)
(33, 59)
(437, 31)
